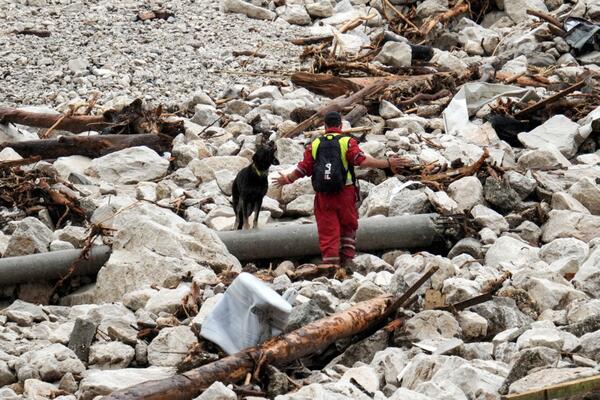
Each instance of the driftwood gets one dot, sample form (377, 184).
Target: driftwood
(75, 123)
(325, 84)
(132, 119)
(548, 18)
(356, 114)
(279, 350)
(522, 80)
(17, 163)
(424, 97)
(454, 12)
(89, 146)
(541, 104)
(33, 32)
(336, 105)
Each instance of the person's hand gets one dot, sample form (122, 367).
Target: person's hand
(398, 163)
(281, 180)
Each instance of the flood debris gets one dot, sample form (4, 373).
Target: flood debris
(478, 275)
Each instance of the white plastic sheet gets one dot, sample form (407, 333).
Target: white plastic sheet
(249, 313)
(471, 97)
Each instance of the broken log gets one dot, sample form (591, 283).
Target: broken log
(541, 104)
(279, 350)
(18, 163)
(325, 84)
(89, 146)
(74, 123)
(356, 114)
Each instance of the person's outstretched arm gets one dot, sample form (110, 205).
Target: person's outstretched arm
(395, 163)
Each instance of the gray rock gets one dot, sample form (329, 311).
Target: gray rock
(488, 218)
(217, 391)
(395, 54)
(501, 314)
(564, 201)
(550, 376)
(467, 192)
(289, 151)
(103, 382)
(564, 224)
(51, 362)
(130, 165)
(296, 14)
(30, 237)
(544, 337)
(81, 338)
(430, 8)
(587, 277)
(248, 9)
(590, 345)
(522, 184)
(559, 131)
(363, 350)
(508, 250)
(206, 168)
(320, 9)
(409, 202)
(526, 360)
(517, 9)
(24, 314)
(170, 347)
(302, 206)
(111, 355)
(501, 195)
(548, 157)
(472, 325)
(167, 300)
(78, 65)
(7, 377)
(304, 314)
(205, 115)
(431, 324)
(587, 192)
(366, 290)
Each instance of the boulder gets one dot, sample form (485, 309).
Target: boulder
(550, 377)
(429, 8)
(590, 345)
(51, 362)
(467, 192)
(304, 314)
(300, 187)
(320, 9)
(30, 237)
(431, 324)
(365, 375)
(587, 277)
(524, 185)
(217, 391)
(548, 157)
(559, 131)
(587, 192)
(111, 355)
(302, 206)
(472, 325)
(389, 363)
(101, 383)
(128, 166)
(170, 347)
(289, 151)
(548, 294)
(206, 169)
(517, 9)
(65, 166)
(205, 115)
(564, 201)
(395, 54)
(409, 202)
(167, 300)
(544, 337)
(526, 360)
(24, 314)
(565, 224)
(510, 251)
(36, 389)
(378, 200)
(501, 314)
(488, 218)
(7, 377)
(296, 14)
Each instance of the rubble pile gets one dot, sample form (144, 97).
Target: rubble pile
(497, 105)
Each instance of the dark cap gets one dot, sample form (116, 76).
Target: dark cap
(333, 118)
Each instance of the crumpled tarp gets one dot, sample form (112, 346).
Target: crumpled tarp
(582, 35)
(249, 313)
(474, 95)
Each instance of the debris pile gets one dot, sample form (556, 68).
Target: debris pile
(497, 105)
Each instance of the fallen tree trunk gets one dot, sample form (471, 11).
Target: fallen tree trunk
(89, 146)
(279, 351)
(74, 123)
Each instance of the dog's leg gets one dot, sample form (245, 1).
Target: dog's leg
(239, 215)
(247, 211)
(257, 207)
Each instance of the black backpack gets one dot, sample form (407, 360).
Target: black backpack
(329, 174)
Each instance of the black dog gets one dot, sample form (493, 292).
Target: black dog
(251, 184)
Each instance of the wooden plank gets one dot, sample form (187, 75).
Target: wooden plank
(559, 391)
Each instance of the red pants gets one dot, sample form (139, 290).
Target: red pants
(337, 222)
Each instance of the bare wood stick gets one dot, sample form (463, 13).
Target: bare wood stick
(49, 131)
(344, 131)
(42, 34)
(248, 53)
(425, 97)
(337, 105)
(402, 16)
(521, 80)
(548, 18)
(562, 390)
(549, 100)
(455, 11)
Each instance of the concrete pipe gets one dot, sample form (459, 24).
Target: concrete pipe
(375, 233)
(50, 266)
